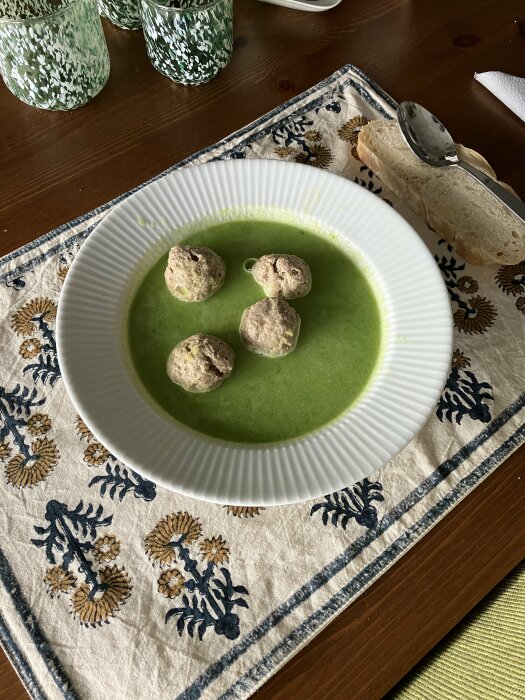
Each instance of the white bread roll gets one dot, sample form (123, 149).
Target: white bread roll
(459, 209)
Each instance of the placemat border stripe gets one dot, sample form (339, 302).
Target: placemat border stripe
(357, 547)
(22, 666)
(255, 676)
(32, 626)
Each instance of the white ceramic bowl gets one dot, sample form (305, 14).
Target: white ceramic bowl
(97, 370)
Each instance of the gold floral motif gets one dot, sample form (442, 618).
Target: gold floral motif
(59, 580)
(459, 360)
(106, 548)
(485, 313)
(30, 348)
(105, 603)
(350, 130)
(22, 322)
(312, 135)
(62, 272)
(321, 157)
(5, 451)
(214, 550)
(95, 454)
(39, 424)
(244, 511)
(158, 542)
(467, 285)
(82, 429)
(21, 471)
(170, 583)
(520, 304)
(511, 278)
(284, 151)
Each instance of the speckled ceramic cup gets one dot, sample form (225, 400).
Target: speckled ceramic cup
(53, 53)
(189, 41)
(123, 13)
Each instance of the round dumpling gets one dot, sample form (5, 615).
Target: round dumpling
(194, 274)
(200, 363)
(280, 275)
(270, 327)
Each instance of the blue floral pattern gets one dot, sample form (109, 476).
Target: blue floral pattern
(117, 480)
(473, 314)
(16, 283)
(29, 454)
(69, 540)
(210, 597)
(366, 179)
(296, 138)
(120, 481)
(34, 322)
(352, 503)
(464, 395)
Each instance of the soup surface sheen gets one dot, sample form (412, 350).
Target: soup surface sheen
(264, 400)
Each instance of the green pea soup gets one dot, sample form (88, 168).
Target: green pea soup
(264, 400)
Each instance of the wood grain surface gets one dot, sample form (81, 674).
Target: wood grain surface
(56, 166)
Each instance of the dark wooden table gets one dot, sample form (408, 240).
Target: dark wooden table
(55, 166)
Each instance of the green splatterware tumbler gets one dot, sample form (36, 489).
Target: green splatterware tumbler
(123, 13)
(189, 41)
(53, 53)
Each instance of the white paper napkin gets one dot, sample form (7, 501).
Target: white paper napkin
(508, 88)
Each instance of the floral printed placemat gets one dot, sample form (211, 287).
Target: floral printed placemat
(113, 587)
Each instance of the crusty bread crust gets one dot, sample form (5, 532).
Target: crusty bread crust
(476, 250)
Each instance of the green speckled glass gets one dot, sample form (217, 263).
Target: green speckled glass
(53, 53)
(189, 41)
(123, 13)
